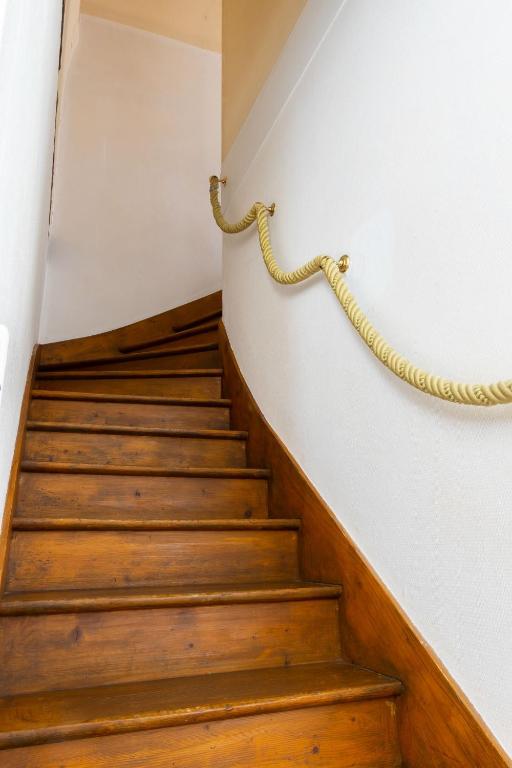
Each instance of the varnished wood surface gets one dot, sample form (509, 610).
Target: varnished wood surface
(76, 600)
(52, 716)
(100, 559)
(437, 724)
(90, 649)
(197, 320)
(68, 411)
(191, 384)
(102, 449)
(197, 331)
(348, 735)
(167, 498)
(71, 468)
(142, 549)
(163, 356)
(110, 342)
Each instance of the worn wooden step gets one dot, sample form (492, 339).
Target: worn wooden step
(72, 407)
(141, 446)
(108, 559)
(49, 495)
(142, 471)
(206, 330)
(73, 650)
(191, 383)
(151, 524)
(198, 355)
(359, 734)
(73, 714)
(78, 601)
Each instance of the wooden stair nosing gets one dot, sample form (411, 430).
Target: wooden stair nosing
(97, 397)
(126, 524)
(112, 429)
(120, 358)
(174, 373)
(31, 719)
(217, 314)
(170, 337)
(92, 600)
(134, 470)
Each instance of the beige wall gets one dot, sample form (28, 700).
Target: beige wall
(253, 34)
(197, 22)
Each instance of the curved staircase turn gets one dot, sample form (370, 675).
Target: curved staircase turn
(154, 612)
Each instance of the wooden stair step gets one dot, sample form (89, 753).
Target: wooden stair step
(75, 650)
(46, 494)
(199, 320)
(187, 355)
(133, 429)
(154, 447)
(170, 337)
(78, 601)
(97, 397)
(155, 524)
(70, 559)
(87, 712)
(191, 383)
(74, 468)
(109, 410)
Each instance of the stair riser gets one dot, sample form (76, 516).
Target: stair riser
(96, 560)
(130, 414)
(205, 359)
(90, 649)
(156, 497)
(193, 386)
(143, 451)
(362, 734)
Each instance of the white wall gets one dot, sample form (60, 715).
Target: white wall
(391, 141)
(131, 230)
(29, 56)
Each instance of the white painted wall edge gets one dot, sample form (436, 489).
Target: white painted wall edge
(306, 37)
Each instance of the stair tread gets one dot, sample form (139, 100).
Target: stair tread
(53, 523)
(186, 349)
(79, 600)
(170, 337)
(98, 397)
(56, 467)
(114, 429)
(57, 715)
(136, 373)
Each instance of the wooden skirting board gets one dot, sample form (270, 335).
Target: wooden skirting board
(438, 727)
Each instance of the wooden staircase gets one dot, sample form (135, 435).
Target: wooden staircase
(153, 612)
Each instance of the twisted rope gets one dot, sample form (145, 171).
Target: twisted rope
(497, 393)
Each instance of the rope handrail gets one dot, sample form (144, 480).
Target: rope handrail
(497, 393)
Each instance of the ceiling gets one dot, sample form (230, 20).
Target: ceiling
(197, 22)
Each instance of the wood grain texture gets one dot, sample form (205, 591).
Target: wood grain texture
(438, 727)
(13, 484)
(197, 332)
(111, 341)
(52, 495)
(52, 716)
(77, 600)
(190, 356)
(96, 560)
(359, 734)
(142, 451)
(175, 386)
(80, 650)
(125, 414)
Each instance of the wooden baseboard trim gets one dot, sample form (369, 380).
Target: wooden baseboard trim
(438, 726)
(12, 487)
